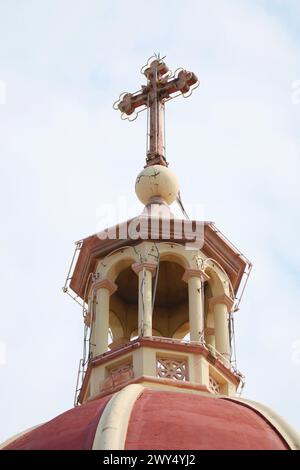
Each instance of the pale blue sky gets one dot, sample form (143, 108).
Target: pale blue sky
(64, 151)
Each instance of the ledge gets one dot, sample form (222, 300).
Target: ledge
(167, 344)
(154, 380)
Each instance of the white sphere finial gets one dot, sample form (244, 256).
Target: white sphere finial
(159, 181)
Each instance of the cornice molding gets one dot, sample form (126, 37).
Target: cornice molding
(149, 266)
(105, 284)
(190, 273)
(221, 299)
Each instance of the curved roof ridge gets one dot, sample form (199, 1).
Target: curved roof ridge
(112, 427)
(286, 432)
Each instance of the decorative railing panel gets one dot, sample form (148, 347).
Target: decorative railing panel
(214, 386)
(168, 368)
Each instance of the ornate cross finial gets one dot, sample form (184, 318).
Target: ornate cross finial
(161, 86)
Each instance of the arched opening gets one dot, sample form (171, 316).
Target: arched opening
(134, 334)
(124, 307)
(216, 286)
(183, 332)
(116, 336)
(170, 304)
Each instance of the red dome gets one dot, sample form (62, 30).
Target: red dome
(74, 430)
(166, 420)
(162, 420)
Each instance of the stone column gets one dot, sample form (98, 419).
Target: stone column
(221, 306)
(103, 288)
(145, 271)
(195, 279)
(89, 321)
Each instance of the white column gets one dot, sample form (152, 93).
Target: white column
(145, 272)
(104, 289)
(221, 306)
(195, 279)
(90, 322)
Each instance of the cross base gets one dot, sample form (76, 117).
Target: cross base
(155, 159)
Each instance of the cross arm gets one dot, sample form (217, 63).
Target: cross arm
(130, 102)
(182, 83)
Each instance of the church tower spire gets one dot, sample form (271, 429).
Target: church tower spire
(158, 292)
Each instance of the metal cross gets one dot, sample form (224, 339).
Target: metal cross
(161, 87)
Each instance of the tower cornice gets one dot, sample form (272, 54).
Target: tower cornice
(216, 247)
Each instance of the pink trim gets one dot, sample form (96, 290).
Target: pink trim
(105, 284)
(138, 267)
(189, 273)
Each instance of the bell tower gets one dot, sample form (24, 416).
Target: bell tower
(158, 293)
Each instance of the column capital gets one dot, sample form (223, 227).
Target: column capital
(105, 284)
(221, 299)
(148, 265)
(191, 272)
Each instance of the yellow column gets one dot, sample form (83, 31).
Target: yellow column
(90, 322)
(195, 279)
(221, 306)
(145, 272)
(104, 289)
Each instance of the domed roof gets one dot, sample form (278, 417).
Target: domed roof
(73, 430)
(156, 419)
